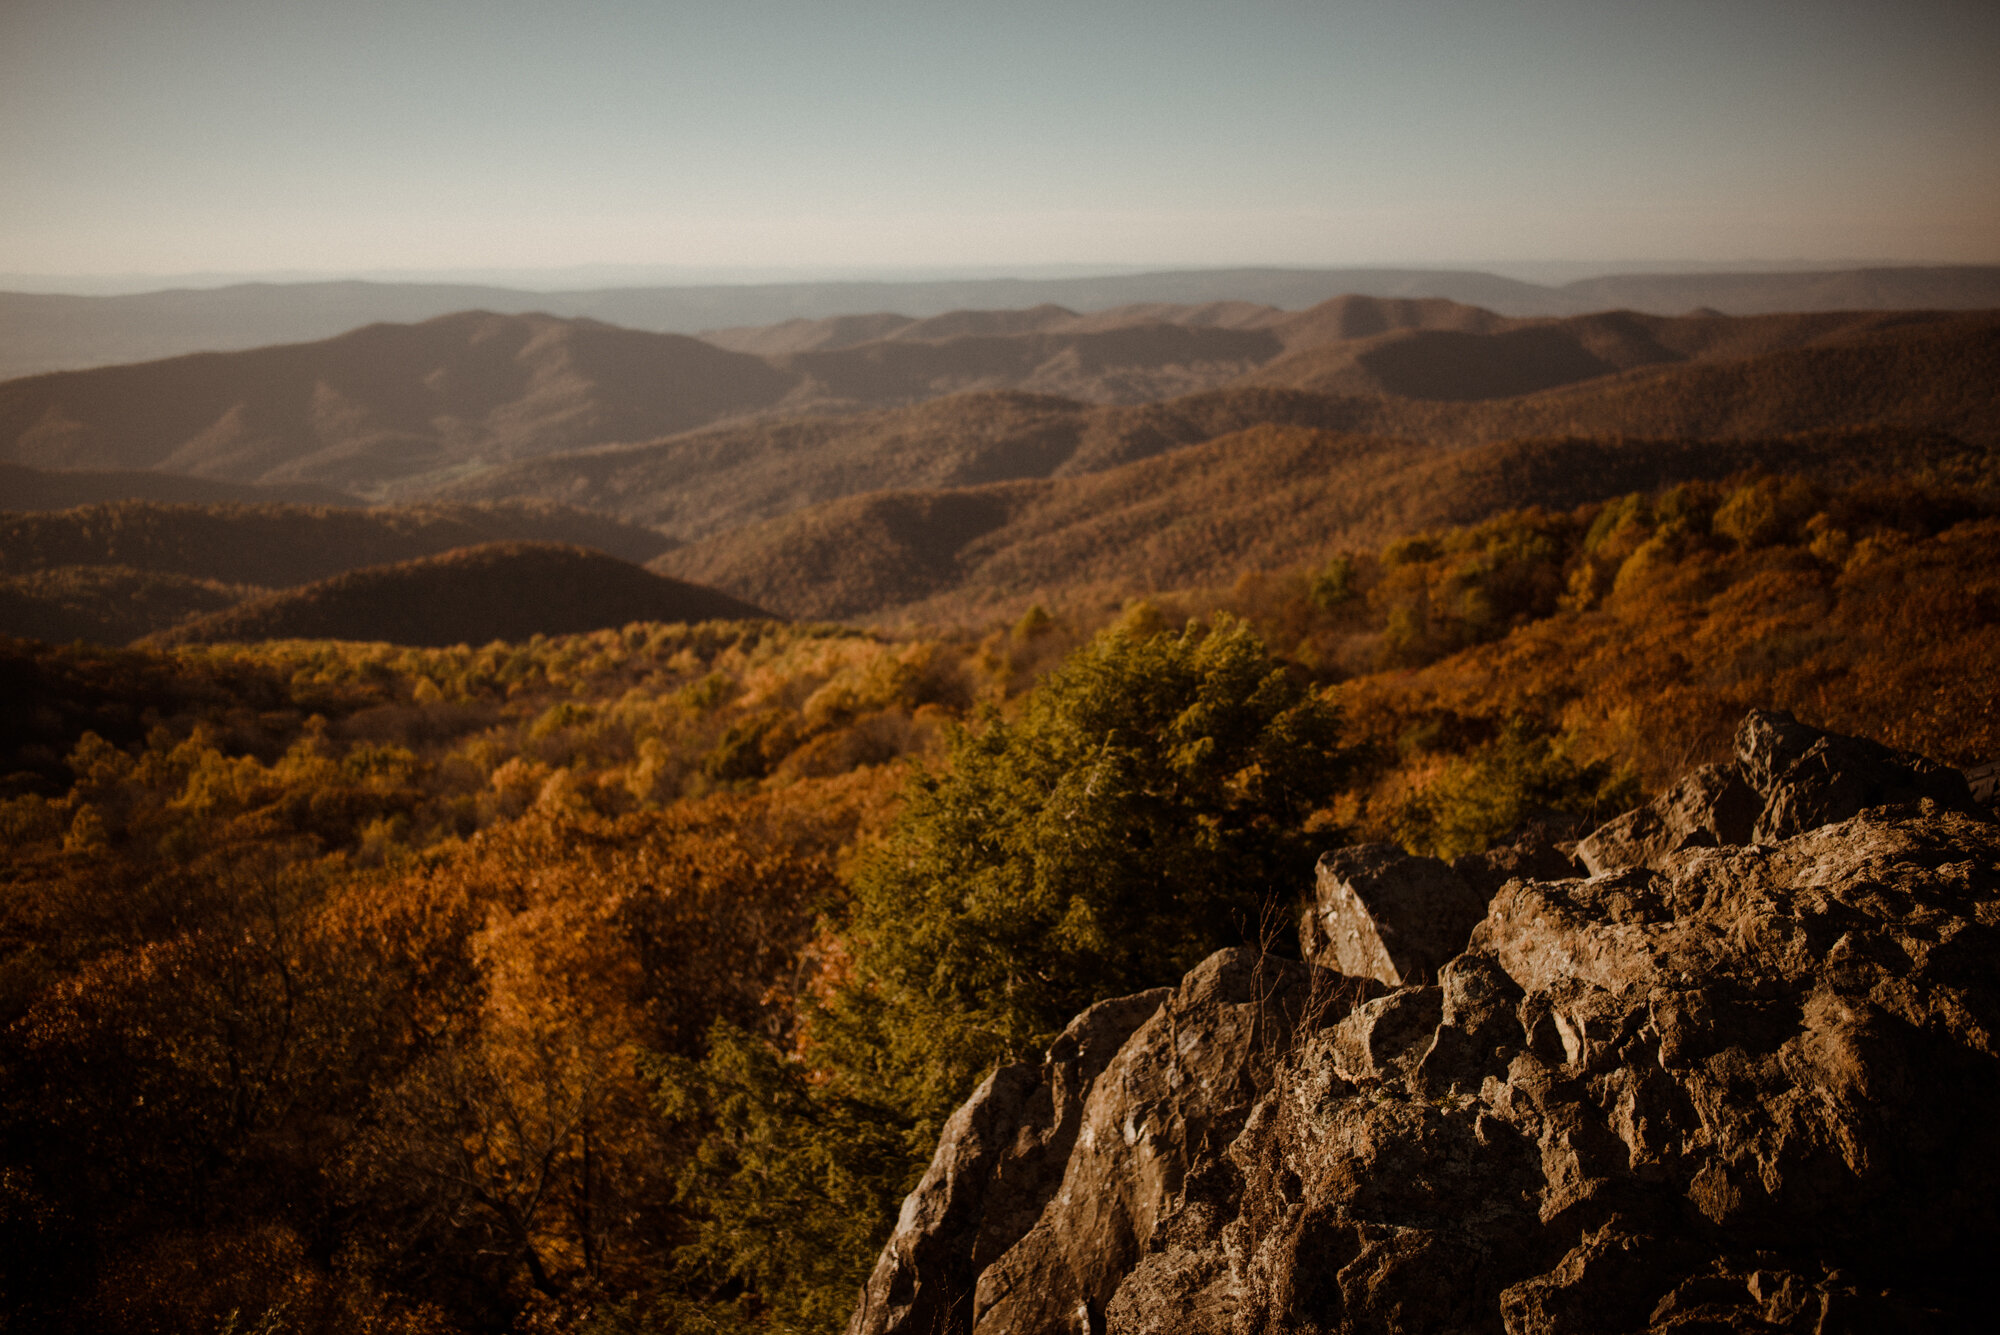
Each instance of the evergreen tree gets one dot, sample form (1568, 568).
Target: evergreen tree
(1145, 809)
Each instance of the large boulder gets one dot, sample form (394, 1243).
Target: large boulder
(1048, 1183)
(1379, 913)
(1785, 778)
(1709, 808)
(999, 1160)
(1740, 1079)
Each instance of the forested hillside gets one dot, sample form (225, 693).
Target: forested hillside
(281, 545)
(484, 406)
(1610, 377)
(601, 983)
(112, 573)
(1261, 498)
(485, 915)
(470, 595)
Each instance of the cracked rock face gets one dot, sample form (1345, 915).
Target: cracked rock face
(1741, 1077)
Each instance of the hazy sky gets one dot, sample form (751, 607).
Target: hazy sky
(179, 135)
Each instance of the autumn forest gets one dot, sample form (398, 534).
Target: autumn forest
(515, 825)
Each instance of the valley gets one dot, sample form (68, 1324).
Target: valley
(959, 467)
(520, 824)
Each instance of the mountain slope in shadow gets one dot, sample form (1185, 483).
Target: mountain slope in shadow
(274, 546)
(107, 604)
(474, 595)
(24, 488)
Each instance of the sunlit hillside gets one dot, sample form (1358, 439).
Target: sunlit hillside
(346, 976)
(1261, 498)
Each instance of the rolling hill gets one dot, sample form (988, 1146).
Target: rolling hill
(1129, 354)
(1346, 316)
(454, 406)
(107, 604)
(382, 402)
(1127, 364)
(1263, 498)
(1924, 375)
(273, 546)
(1514, 358)
(1689, 378)
(473, 595)
(43, 332)
(711, 481)
(24, 488)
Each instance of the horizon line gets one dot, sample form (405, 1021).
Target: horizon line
(1548, 272)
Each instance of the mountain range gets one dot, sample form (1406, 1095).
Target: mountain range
(1691, 378)
(445, 407)
(950, 468)
(52, 332)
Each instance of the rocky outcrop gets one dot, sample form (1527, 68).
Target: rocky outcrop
(1737, 1071)
(1048, 1183)
(1380, 913)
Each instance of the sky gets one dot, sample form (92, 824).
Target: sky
(760, 137)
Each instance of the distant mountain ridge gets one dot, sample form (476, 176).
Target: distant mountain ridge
(1349, 315)
(397, 411)
(44, 332)
(454, 405)
(383, 401)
